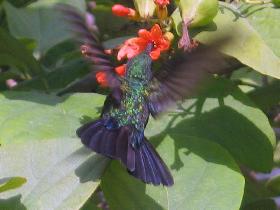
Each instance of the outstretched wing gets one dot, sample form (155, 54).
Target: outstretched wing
(88, 37)
(181, 76)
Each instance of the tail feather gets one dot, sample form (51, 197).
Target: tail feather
(164, 173)
(142, 162)
(88, 129)
(152, 168)
(110, 147)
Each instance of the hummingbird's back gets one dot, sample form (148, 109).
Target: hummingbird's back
(133, 109)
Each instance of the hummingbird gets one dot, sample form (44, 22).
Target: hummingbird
(119, 133)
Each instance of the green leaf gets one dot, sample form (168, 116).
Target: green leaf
(264, 19)
(146, 8)
(204, 173)
(274, 184)
(113, 43)
(40, 21)
(60, 173)
(94, 201)
(270, 93)
(38, 142)
(177, 21)
(254, 191)
(59, 78)
(247, 79)
(11, 183)
(248, 45)
(225, 115)
(277, 154)
(25, 116)
(13, 53)
(20, 3)
(200, 12)
(58, 55)
(264, 204)
(118, 27)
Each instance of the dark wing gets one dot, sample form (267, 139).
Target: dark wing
(181, 76)
(87, 35)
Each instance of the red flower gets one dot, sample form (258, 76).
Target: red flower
(134, 46)
(101, 78)
(122, 11)
(162, 3)
(120, 70)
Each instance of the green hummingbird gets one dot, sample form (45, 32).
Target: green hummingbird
(119, 132)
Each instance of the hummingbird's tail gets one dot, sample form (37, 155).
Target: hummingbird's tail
(142, 162)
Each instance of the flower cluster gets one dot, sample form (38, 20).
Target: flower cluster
(134, 46)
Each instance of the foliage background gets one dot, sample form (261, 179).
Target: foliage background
(220, 145)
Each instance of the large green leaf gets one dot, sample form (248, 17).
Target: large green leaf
(60, 173)
(253, 37)
(40, 21)
(13, 53)
(38, 142)
(205, 175)
(225, 115)
(265, 20)
(26, 116)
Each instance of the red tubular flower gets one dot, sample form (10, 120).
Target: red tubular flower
(108, 51)
(120, 70)
(122, 11)
(134, 46)
(101, 78)
(162, 3)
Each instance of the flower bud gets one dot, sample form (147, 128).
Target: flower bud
(120, 70)
(162, 3)
(101, 79)
(122, 11)
(169, 36)
(11, 83)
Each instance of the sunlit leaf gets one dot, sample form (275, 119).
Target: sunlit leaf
(38, 142)
(253, 42)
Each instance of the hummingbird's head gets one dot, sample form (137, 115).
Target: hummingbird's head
(139, 67)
